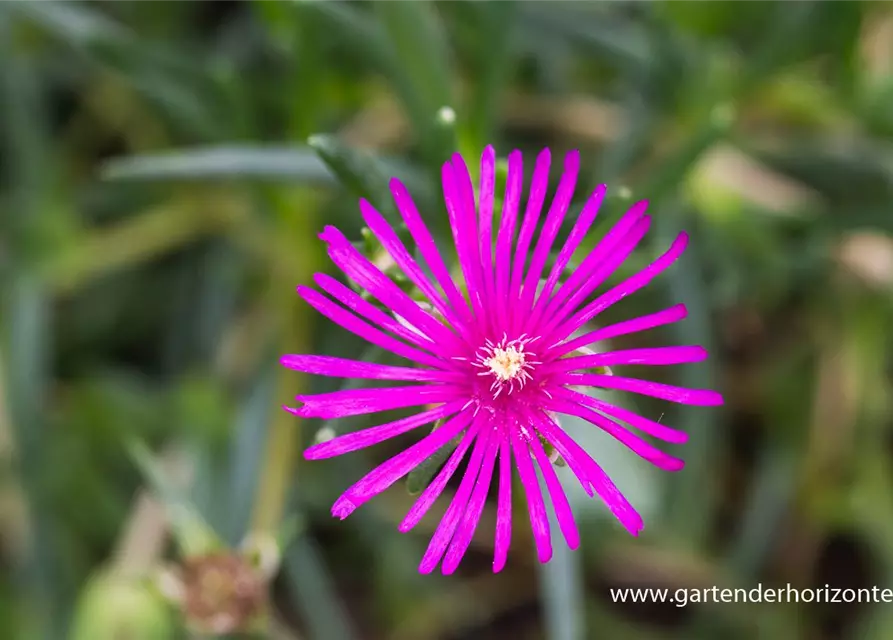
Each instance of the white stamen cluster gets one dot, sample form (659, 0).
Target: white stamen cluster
(507, 362)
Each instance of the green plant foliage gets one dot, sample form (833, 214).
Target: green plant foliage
(165, 170)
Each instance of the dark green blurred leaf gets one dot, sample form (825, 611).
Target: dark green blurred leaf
(423, 61)
(421, 476)
(192, 534)
(246, 453)
(597, 32)
(76, 23)
(357, 170)
(314, 593)
(495, 23)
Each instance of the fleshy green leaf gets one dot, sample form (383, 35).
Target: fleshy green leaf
(360, 172)
(421, 476)
(257, 163)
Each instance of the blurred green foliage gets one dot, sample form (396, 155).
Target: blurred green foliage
(166, 167)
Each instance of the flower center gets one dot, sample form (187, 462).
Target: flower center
(508, 362)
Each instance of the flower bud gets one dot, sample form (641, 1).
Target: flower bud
(114, 607)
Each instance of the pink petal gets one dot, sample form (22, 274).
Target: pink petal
(353, 301)
(344, 318)
(652, 428)
(485, 214)
(701, 397)
(373, 435)
(427, 247)
(603, 251)
(344, 368)
(506, 235)
(657, 356)
(625, 288)
(642, 323)
(447, 527)
(554, 218)
(436, 487)
(538, 186)
(636, 444)
(539, 522)
(391, 242)
(584, 222)
(503, 508)
(542, 423)
(358, 268)
(559, 500)
(606, 489)
(472, 516)
(354, 402)
(387, 473)
(458, 195)
(596, 276)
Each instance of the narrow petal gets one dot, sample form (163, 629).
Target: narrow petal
(657, 356)
(373, 435)
(539, 521)
(485, 215)
(472, 516)
(391, 242)
(447, 526)
(538, 186)
(506, 234)
(637, 445)
(503, 536)
(667, 316)
(543, 423)
(355, 402)
(606, 489)
(625, 288)
(344, 368)
(436, 487)
(365, 309)
(598, 275)
(562, 507)
(344, 318)
(554, 218)
(387, 473)
(652, 428)
(701, 397)
(605, 249)
(427, 247)
(461, 211)
(359, 269)
(581, 227)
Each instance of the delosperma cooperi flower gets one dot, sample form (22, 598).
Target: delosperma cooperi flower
(497, 363)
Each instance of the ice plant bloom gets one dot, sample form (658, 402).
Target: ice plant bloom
(496, 364)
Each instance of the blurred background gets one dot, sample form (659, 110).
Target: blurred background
(165, 169)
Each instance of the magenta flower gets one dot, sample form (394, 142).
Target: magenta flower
(496, 365)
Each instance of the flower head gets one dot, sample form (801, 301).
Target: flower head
(496, 365)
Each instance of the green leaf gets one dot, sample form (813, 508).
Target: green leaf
(593, 29)
(421, 58)
(495, 22)
(247, 450)
(192, 533)
(561, 586)
(211, 163)
(421, 476)
(313, 592)
(363, 36)
(361, 172)
(74, 22)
